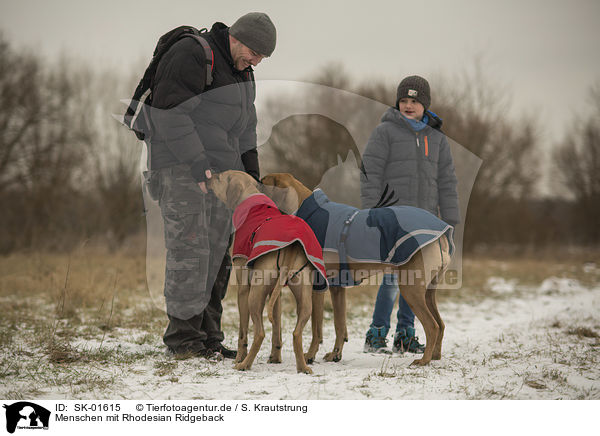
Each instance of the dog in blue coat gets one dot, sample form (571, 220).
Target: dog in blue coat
(408, 241)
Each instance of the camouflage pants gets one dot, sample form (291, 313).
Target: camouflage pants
(197, 229)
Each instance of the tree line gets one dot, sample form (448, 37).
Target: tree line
(69, 172)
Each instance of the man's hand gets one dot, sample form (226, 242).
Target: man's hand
(203, 184)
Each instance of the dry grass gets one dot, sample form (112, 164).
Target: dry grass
(583, 332)
(93, 282)
(95, 292)
(65, 317)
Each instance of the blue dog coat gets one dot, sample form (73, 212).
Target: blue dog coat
(389, 235)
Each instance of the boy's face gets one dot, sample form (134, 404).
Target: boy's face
(411, 108)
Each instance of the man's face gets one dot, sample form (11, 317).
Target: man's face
(411, 108)
(243, 56)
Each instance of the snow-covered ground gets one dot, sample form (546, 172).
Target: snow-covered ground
(517, 343)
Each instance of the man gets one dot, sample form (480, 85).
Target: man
(198, 129)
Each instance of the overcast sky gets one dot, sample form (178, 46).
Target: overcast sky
(544, 52)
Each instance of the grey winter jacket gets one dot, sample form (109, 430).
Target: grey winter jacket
(417, 166)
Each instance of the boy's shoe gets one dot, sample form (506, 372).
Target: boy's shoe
(405, 340)
(376, 342)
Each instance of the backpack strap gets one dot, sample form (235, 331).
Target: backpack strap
(208, 55)
(143, 92)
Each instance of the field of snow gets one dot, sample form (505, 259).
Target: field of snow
(85, 328)
(525, 347)
(519, 342)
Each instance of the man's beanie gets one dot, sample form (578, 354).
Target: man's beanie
(256, 31)
(414, 87)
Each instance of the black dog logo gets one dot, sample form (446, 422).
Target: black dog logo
(30, 413)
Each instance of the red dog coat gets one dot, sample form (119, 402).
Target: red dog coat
(261, 228)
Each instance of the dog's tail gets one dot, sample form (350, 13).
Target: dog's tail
(292, 259)
(445, 253)
(281, 281)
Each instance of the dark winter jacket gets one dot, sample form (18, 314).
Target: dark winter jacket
(417, 166)
(203, 126)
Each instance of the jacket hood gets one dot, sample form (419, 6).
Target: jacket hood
(393, 114)
(220, 34)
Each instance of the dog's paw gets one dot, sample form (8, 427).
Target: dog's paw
(419, 362)
(274, 359)
(305, 370)
(334, 356)
(242, 366)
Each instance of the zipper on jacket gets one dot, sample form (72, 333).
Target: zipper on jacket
(418, 173)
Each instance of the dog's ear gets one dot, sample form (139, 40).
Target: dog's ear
(287, 180)
(280, 180)
(235, 188)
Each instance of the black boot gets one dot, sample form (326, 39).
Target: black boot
(218, 347)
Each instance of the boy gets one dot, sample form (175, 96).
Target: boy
(408, 152)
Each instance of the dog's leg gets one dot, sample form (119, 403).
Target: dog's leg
(435, 261)
(432, 305)
(256, 304)
(243, 292)
(414, 294)
(318, 301)
(338, 298)
(303, 293)
(239, 281)
(276, 341)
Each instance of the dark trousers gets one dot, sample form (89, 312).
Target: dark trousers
(203, 330)
(197, 230)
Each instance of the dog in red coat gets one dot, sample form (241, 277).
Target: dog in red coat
(270, 250)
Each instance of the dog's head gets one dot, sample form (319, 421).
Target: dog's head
(232, 187)
(285, 190)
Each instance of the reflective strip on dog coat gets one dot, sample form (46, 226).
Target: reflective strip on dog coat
(389, 235)
(261, 228)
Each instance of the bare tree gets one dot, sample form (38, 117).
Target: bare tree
(114, 163)
(309, 145)
(44, 138)
(474, 113)
(577, 161)
(20, 111)
(306, 145)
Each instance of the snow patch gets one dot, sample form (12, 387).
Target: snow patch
(560, 284)
(500, 285)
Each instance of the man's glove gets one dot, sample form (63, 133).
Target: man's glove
(198, 170)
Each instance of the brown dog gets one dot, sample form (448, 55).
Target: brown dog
(269, 273)
(431, 261)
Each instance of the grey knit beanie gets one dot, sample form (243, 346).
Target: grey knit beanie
(256, 31)
(414, 87)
